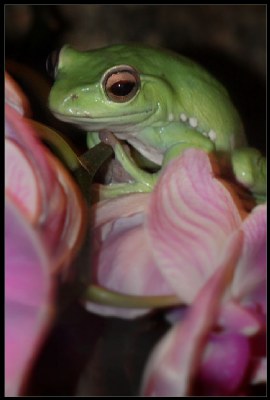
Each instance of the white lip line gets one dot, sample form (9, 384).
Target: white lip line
(183, 118)
(190, 121)
(98, 119)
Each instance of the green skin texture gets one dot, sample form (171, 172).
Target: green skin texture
(150, 121)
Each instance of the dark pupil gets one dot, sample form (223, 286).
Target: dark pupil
(122, 88)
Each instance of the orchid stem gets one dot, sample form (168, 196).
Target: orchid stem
(100, 295)
(60, 145)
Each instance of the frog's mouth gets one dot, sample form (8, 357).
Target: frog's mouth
(120, 122)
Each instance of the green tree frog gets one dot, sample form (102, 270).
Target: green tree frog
(160, 103)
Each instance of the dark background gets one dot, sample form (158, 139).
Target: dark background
(86, 354)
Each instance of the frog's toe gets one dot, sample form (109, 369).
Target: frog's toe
(244, 176)
(249, 168)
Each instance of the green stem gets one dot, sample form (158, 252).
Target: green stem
(84, 167)
(62, 149)
(100, 295)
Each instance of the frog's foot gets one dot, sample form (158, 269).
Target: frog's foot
(143, 181)
(249, 167)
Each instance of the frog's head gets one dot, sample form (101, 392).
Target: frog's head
(115, 87)
(127, 88)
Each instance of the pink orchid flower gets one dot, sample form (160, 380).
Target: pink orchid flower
(122, 259)
(182, 239)
(216, 262)
(124, 230)
(44, 227)
(41, 187)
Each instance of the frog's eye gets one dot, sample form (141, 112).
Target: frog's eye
(121, 83)
(52, 63)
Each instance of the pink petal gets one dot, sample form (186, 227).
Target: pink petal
(28, 292)
(191, 215)
(236, 318)
(44, 189)
(21, 181)
(107, 211)
(67, 216)
(122, 259)
(22, 131)
(249, 283)
(176, 359)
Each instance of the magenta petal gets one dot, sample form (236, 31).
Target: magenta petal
(224, 365)
(191, 215)
(176, 359)
(28, 290)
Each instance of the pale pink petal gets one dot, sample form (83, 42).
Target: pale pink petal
(122, 259)
(249, 284)
(190, 217)
(28, 296)
(224, 365)
(247, 321)
(22, 131)
(107, 211)
(21, 181)
(43, 189)
(176, 359)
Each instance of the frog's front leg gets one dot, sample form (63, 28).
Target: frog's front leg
(143, 181)
(249, 167)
